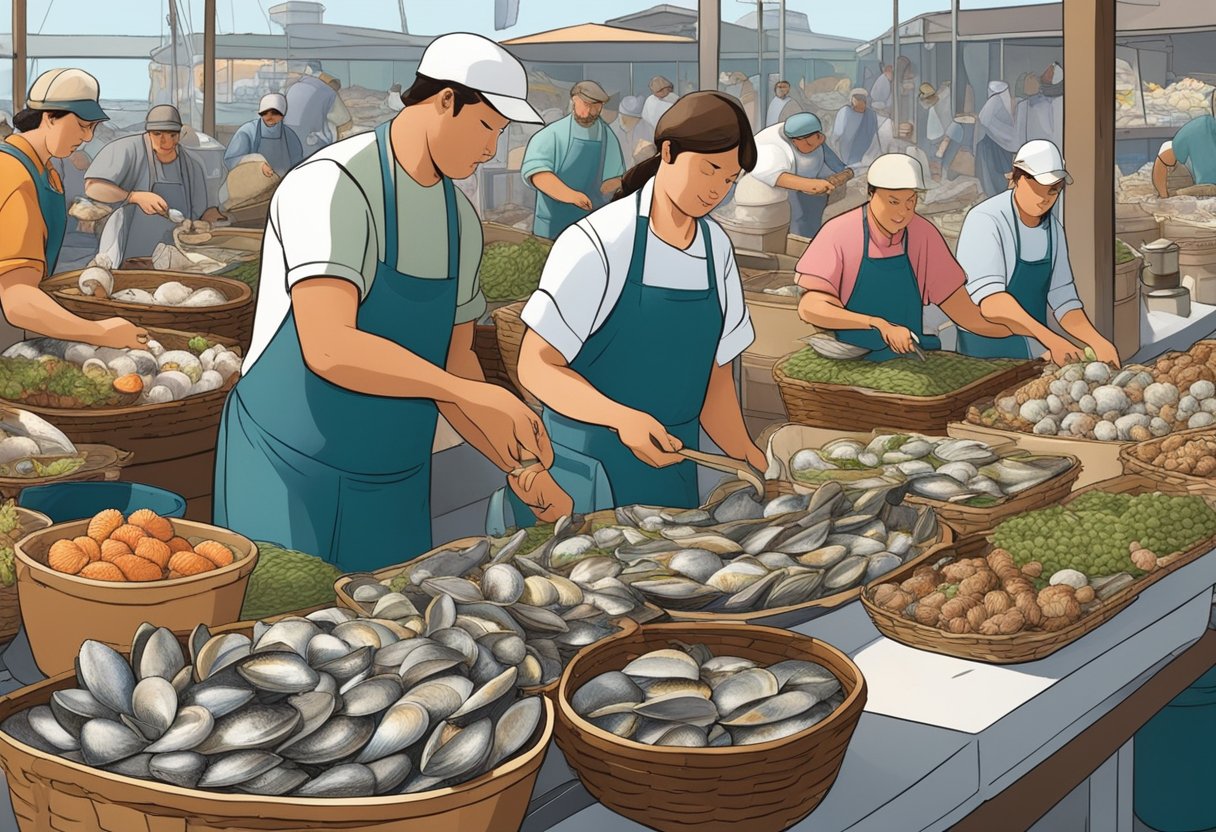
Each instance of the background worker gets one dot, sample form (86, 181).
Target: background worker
(870, 272)
(1194, 146)
(632, 133)
(269, 137)
(60, 115)
(662, 96)
(996, 139)
(315, 110)
(859, 132)
(575, 163)
(782, 106)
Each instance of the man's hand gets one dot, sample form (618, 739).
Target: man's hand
(267, 170)
(509, 425)
(610, 187)
(579, 199)
(818, 187)
(149, 202)
(898, 338)
(537, 489)
(1105, 351)
(119, 333)
(648, 439)
(1062, 351)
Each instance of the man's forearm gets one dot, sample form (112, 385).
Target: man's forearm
(722, 417)
(28, 307)
(1003, 308)
(102, 191)
(464, 364)
(545, 376)
(1077, 324)
(826, 312)
(547, 183)
(1161, 176)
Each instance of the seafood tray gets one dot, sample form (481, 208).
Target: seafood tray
(767, 779)
(516, 613)
(844, 406)
(171, 734)
(1191, 455)
(232, 319)
(1079, 603)
(969, 483)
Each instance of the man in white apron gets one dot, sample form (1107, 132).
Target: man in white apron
(151, 176)
(268, 137)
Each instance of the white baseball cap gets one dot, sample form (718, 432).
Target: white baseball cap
(73, 90)
(273, 101)
(481, 64)
(895, 172)
(1043, 161)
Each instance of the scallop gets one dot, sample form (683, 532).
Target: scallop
(207, 296)
(178, 383)
(171, 293)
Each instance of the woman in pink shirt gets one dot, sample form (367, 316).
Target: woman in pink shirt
(870, 272)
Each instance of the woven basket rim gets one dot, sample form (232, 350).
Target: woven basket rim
(690, 631)
(1008, 391)
(240, 293)
(97, 457)
(1128, 456)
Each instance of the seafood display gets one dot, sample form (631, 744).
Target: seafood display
(10, 533)
(140, 547)
(285, 580)
(511, 271)
(1157, 106)
(1193, 455)
(33, 447)
(691, 698)
(507, 610)
(743, 555)
(51, 373)
(247, 272)
(965, 471)
(97, 281)
(940, 373)
(327, 706)
(1094, 400)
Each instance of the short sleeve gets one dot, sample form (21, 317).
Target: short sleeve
(1166, 146)
(572, 289)
(470, 303)
(771, 162)
(981, 253)
(943, 276)
(821, 267)
(323, 243)
(1182, 144)
(240, 147)
(117, 163)
(22, 245)
(1062, 297)
(737, 330)
(540, 155)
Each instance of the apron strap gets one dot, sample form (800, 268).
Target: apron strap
(453, 228)
(26, 162)
(391, 236)
(711, 269)
(641, 234)
(1017, 235)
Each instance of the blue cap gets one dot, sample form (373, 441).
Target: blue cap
(800, 125)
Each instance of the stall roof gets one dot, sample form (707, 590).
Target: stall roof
(321, 41)
(737, 39)
(595, 43)
(596, 33)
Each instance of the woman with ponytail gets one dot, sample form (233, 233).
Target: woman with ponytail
(639, 316)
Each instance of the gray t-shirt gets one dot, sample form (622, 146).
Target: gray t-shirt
(327, 220)
(124, 162)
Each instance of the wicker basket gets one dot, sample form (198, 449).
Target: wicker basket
(173, 443)
(757, 788)
(1031, 645)
(1133, 464)
(49, 792)
(858, 408)
(10, 608)
(509, 329)
(101, 462)
(646, 613)
(485, 337)
(232, 320)
(227, 245)
(61, 611)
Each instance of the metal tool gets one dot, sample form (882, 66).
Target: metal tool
(920, 354)
(740, 469)
(829, 347)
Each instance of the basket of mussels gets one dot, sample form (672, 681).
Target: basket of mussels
(325, 722)
(709, 726)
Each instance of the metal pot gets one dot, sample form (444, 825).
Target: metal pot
(1160, 257)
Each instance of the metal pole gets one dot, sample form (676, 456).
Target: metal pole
(954, 85)
(173, 46)
(209, 24)
(781, 43)
(761, 104)
(401, 8)
(709, 14)
(896, 75)
(19, 56)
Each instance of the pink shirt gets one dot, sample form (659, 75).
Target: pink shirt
(833, 259)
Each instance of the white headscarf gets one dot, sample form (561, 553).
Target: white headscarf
(996, 118)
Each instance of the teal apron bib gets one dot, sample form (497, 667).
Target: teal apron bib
(583, 170)
(654, 353)
(51, 205)
(1029, 285)
(886, 287)
(806, 210)
(329, 471)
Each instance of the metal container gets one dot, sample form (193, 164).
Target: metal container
(1160, 259)
(1174, 301)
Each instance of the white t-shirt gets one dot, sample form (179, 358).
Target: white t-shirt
(327, 220)
(587, 267)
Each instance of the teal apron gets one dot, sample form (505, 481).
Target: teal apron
(329, 471)
(654, 354)
(582, 169)
(886, 288)
(51, 205)
(1029, 285)
(806, 210)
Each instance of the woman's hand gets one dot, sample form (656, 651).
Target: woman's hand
(119, 333)
(756, 458)
(898, 338)
(1105, 351)
(1061, 351)
(648, 439)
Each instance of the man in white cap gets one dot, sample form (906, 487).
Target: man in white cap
(267, 136)
(1015, 253)
(859, 132)
(996, 139)
(794, 165)
(870, 272)
(635, 136)
(364, 330)
(149, 176)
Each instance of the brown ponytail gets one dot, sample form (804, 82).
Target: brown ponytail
(700, 122)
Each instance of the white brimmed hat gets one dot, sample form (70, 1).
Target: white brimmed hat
(273, 101)
(896, 172)
(481, 64)
(1042, 160)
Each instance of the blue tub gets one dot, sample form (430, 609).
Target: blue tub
(67, 501)
(1176, 762)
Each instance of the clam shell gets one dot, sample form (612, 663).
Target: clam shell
(314, 707)
(697, 564)
(192, 725)
(762, 539)
(750, 735)
(813, 678)
(219, 699)
(537, 619)
(404, 724)
(587, 572)
(846, 574)
(739, 505)
(656, 688)
(340, 737)
(569, 594)
(623, 725)
(371, 696)
(369, 593)
(453, 751)
(502, 584)
(606, 689)
(459, 640)
(154, 703)
(349, 780)
(360, 633)
(237, 767)
(280, 780)
(324, 648)
(350, 665)
(795, 588)
(743, 689)
(540, 592)
(256, 726)
(684, 736)
(805, 540)
(824, 557)
(786, 504)
(183, 769)
(440, 613)
(137, 766)
(42, 720)
(441, 697)
(880, 564)
(754, 595)
(74, 707)
(220, 652)
(161, 655)
(279, 672)
(507, 648)
(391, 772)
(514, 728)
(107, 676)
(103, 741)
(485, 698)
(737, 575)
(428, 660)
(679, 707)
(774, 709)
(292, 633)
(663, 664)
(581, 634)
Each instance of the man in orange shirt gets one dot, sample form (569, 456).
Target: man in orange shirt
(61, 114)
